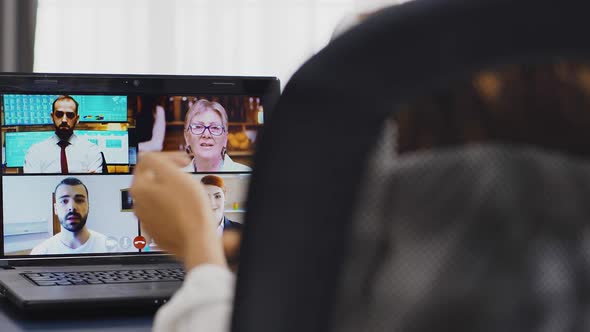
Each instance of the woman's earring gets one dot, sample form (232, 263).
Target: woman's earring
(188, 150)
(223, 153)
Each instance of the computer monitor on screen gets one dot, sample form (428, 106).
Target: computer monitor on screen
(31, 109)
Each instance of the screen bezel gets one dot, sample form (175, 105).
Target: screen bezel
(268, 88)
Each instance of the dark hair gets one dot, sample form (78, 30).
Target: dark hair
(543, 104)
(71, 182)
(64, 97)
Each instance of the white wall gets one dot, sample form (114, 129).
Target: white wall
(28, 198)
(367, 6)
(215, 37)
(192, 37)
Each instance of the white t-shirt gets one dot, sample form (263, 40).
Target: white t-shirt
(45, 156)
(53, 246)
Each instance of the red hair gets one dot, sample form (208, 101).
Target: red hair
(213, 180)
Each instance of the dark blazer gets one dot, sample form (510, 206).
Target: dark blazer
(231, 225)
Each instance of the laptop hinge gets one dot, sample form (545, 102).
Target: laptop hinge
(5, 266)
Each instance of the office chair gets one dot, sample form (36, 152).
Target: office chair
(317, 254)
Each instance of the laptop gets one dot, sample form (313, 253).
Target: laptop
(69, 236)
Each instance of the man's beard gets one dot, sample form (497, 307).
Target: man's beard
(64, 132)
(74, 228)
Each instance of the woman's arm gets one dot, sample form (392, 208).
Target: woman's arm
(173, 207)
(156, 143)
(204, 303)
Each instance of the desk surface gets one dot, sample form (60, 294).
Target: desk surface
(13, 320)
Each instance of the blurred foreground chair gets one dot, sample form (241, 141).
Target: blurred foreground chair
(427, 171)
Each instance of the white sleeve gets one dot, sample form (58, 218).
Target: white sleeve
(203, 303)
(94, 159)
(40, 249)
(32, 162)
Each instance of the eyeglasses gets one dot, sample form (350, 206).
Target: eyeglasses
(69, 115)
(198, 129)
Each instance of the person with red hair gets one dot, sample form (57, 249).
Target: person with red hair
(215, 188)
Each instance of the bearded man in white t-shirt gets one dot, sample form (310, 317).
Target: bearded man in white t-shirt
(71, 208)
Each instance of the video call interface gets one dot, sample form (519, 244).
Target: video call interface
(68, 160)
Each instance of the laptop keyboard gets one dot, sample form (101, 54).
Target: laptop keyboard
(104, 277)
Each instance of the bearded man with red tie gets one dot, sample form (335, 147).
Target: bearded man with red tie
(64, 152)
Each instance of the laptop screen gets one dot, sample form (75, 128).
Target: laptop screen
(68, 155)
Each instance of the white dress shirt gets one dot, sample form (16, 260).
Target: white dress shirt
(45, 156)
(228, 166)
(203, 303)
(96, 243)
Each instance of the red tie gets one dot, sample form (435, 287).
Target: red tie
(63, 159)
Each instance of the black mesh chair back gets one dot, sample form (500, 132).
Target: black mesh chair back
(331, 139)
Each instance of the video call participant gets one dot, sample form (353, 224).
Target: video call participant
(205, 134)
(151, 123)
(71, 208)
(64, 152)
(215, 188)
